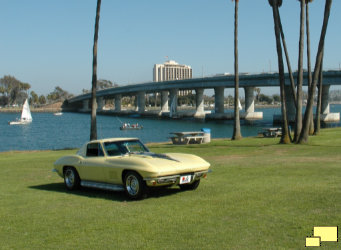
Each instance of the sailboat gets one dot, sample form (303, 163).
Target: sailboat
(239, 105)
(26, 116)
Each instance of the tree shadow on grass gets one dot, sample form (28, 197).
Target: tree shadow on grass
(105, 194)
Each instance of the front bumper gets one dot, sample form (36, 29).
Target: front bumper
(174, 179)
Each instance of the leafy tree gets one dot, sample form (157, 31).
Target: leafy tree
(42, 100)
(58, 95)
(229, 100)
(14, 89)
(186, 100)
(34, 98)
(276, 98)
(104, 84)
(265, 98)
(4, 100)
(257, 90)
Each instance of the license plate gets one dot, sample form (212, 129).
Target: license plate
(185, 179)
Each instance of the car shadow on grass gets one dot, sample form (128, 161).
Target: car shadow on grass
(104, 194)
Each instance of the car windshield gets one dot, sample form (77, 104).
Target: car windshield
(124, 147)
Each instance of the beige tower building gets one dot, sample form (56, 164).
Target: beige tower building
(171, 70)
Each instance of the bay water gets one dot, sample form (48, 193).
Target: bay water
(72, 130)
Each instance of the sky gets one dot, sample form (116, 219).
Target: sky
(48, 43)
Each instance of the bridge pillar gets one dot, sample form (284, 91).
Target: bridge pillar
(219, 100)
(85, 105)
(325, 109)
(249, 99)
(199, 99)
(173, 98)
(326, 116)
(100, 103)
(118, 99)
(141, 101)
(250, 113)
(164, 101)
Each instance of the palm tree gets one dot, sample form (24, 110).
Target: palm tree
(298, 120)
(275, 4)
(292, 81)
(319, 102)
(311, 128)
(236, 128)
(93, 128)
(257, 90)
(309, 109)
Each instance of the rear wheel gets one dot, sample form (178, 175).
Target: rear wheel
(134, 185)
(191, 186)
(71, 178)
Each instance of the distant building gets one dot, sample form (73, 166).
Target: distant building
(171, 70)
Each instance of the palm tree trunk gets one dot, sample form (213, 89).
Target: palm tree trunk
(236, 128)
(298, 122)
(306, 122)
(311, 127)
(319, 101)
(93, 128)
(291, 76)
(285, 130)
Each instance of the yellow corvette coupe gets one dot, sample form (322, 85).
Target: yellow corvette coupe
(125, 164)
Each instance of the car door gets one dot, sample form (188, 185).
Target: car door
(91, 168)
(115, 163)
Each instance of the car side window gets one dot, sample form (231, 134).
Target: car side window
(94, 149)
(112, 149)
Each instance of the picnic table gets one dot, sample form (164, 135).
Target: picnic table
(272, 132)
(187, 137)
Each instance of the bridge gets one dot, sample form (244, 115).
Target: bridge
(169, 93)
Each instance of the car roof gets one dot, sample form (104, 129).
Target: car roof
(115, 139)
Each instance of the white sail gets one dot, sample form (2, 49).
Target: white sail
(26, 112)
(26, 116)
(239, 105)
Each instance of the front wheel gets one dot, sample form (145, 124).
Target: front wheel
(134, 185)
(191, 186)
(71, 178)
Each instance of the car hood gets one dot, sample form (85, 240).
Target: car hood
(172, 163)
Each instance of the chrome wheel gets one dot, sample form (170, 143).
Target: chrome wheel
(134, 185)
(71, 178)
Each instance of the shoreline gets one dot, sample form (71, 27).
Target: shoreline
(60, 109)
(33, 110)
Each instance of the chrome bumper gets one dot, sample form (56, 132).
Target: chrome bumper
(174, 179)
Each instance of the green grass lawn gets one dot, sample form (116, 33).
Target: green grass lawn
(260, 195)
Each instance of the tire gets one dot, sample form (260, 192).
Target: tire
(71, 178)
(134, 185)
(191, 186)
